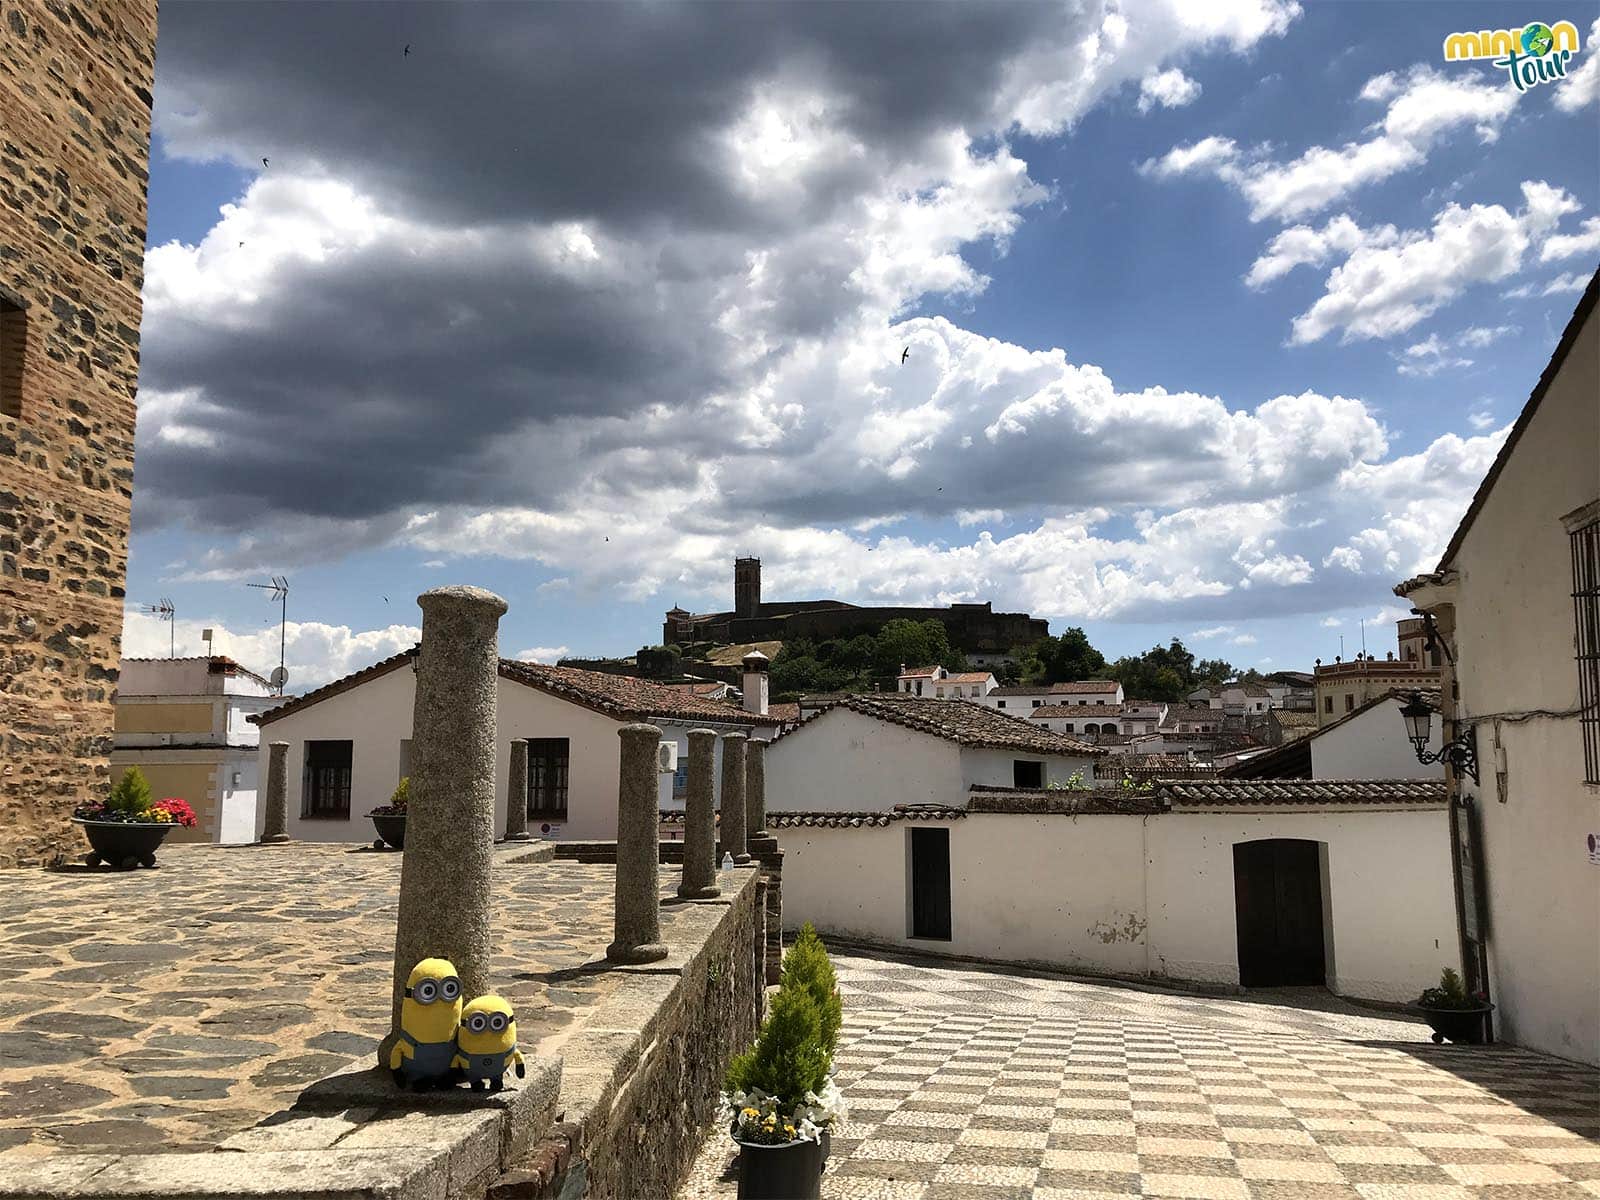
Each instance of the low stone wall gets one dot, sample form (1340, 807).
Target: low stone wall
(643, 1075)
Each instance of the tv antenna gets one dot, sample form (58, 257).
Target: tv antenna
(279, 587)
(166, 612)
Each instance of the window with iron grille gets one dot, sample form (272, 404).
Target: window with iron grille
(1586, 612)
(547, 777)
(327, 786)
(13, 343)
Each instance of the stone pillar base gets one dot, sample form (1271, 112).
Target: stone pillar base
(703, 893)
(519, 837)
(275, 839)
(741, 860)
(633, 955)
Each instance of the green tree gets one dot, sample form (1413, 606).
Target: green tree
(130, 794)
(1070, 657)
(658, 662)
(914, 644)
(788, 1059)
(807, 966)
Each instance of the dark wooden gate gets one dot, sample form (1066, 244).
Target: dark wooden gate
(1277, 891)
(930, 883)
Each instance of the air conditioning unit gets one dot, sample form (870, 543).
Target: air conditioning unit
(667, 758)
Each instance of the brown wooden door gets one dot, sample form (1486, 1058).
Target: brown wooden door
(1277, 891)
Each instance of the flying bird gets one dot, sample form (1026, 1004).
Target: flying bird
(407, 50)
(263, 162)
(905, 354)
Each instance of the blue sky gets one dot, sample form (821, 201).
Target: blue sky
(588, 397)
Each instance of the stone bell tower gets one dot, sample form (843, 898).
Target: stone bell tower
(746, 586)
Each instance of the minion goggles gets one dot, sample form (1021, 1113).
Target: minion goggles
(478, 1022)
(429, 990)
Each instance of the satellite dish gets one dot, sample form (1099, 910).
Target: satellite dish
(279, 677)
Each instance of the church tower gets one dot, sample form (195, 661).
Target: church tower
(746, 586)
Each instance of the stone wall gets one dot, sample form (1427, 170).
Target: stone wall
(642, 1078)
(74, 151)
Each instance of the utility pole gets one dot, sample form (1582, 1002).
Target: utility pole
(279, 587)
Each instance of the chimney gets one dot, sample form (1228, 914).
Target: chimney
(755, 682)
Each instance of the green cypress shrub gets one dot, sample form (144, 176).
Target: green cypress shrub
(788, 1059)
(808, 967)
(131, 794)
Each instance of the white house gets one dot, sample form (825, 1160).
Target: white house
(878, 751)
(350, 744)
(184, 723)
(1237, 883)
(1081, 718)
(1515, 601)
(1182, 718)
(1022, 697)
(1249, 699)
(946, 685)
(1367, 743)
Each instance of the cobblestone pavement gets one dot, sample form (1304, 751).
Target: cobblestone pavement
(163, 1010)
(995, 1085)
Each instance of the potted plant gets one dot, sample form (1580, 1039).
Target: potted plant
(1454, 1013)
(128, 826)
(779, 1098)
(390, 819)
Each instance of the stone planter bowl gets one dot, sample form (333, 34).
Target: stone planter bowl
(791, 1171)
(1461, 1026)
(123, 844)
(391, 828)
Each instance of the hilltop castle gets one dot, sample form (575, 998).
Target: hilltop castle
(974, 628)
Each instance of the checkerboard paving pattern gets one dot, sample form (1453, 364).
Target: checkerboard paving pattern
(1061, 1090)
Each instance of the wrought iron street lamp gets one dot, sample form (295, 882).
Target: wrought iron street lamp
(1461, 753)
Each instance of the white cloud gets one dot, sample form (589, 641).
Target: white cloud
(1571, 282)
(1301, 245)
(1331, 622)
(1167, 89)
(1382, 290)
(542, 654)
(1582, 86)
(1478, 336)
(1244, 639)
(1423, 106)
(1213, 632)
(1565, 245)
(315, 653)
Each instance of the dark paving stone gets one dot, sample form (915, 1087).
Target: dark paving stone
(128, 952)
(340, 1042)
(223, 1047)
(29, 1049)
(110, 972)
(117, 1134)
(182, 1087)
(44, 1095)
(301, 1068)
(99, 1025)
(264, 1018)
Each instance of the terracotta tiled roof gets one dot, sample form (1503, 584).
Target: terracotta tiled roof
(221, 664)
(918, 672)
(1116, 801)
(622, 696)
(1077, 687)
(966, 677)
(844, 820)
(963, 722)
(1177, 714)
(1292, 718)
(1086, 711)
(1208, 793)
(626, 695)
(784, 712)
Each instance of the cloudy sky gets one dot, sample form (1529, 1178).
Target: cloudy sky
(1216, 312)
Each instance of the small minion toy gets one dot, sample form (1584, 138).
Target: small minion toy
(430, 1010)
(486, 1043)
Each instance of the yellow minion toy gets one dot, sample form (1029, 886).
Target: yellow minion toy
(486, 1043)
(430, 1011)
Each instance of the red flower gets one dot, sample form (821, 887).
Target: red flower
(178, 810)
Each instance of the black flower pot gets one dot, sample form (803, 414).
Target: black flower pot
(391, 828)
(1463, 1026)
(791, 1171)
(123, 844)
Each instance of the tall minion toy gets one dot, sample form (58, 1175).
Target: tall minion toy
(430, 1011)
(486, 1043)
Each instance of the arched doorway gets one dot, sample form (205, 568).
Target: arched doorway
(1278, 904)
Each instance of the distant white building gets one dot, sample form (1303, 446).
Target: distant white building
(877, 751)
(184, 723)
(1080, 718)
(350, 744)
(941, 684)
(1021, 698)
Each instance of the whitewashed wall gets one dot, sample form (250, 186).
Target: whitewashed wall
(844, 760)
(1389, 902)
(1130, 895)
(1514, 635)
(376, 717)
(1373, 745)
(993, 768)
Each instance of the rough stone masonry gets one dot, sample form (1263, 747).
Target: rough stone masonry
(74, 151)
